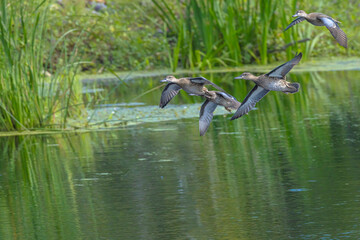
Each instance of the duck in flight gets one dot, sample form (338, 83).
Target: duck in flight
(275, 80)
(193, 86)
(213, 99)
(319, 19)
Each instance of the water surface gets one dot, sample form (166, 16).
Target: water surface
(288, 170)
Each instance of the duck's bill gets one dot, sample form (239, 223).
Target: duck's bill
(295, 15)
(164, 80)
(239, 77)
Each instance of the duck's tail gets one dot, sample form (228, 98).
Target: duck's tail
(294, 87)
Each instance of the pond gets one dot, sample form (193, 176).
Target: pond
(288, 170)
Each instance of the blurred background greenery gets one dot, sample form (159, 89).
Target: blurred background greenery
(157, 34)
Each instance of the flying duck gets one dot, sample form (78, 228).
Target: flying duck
(319, 19)
(214, 99)
(275, 80)
(193, 86)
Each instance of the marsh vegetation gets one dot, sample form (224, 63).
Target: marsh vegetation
(44, 46)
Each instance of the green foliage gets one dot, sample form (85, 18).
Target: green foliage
(30, 96)
(207, 34)
(157, 34)
(120, 37)
(223, 33)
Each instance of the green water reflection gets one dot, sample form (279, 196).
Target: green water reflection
(288, 170)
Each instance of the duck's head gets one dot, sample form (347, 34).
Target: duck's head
(169, 79)
(300, 13)
(246, 76)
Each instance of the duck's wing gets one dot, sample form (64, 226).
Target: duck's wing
(282, 70)
(254, 96)
(232, 102)
(206, 115)
(226, 95)
(296, 21)
(335, 30)
(170, 91)
(202, 80)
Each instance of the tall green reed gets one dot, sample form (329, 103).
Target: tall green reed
(207, 34)
(35, 92)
